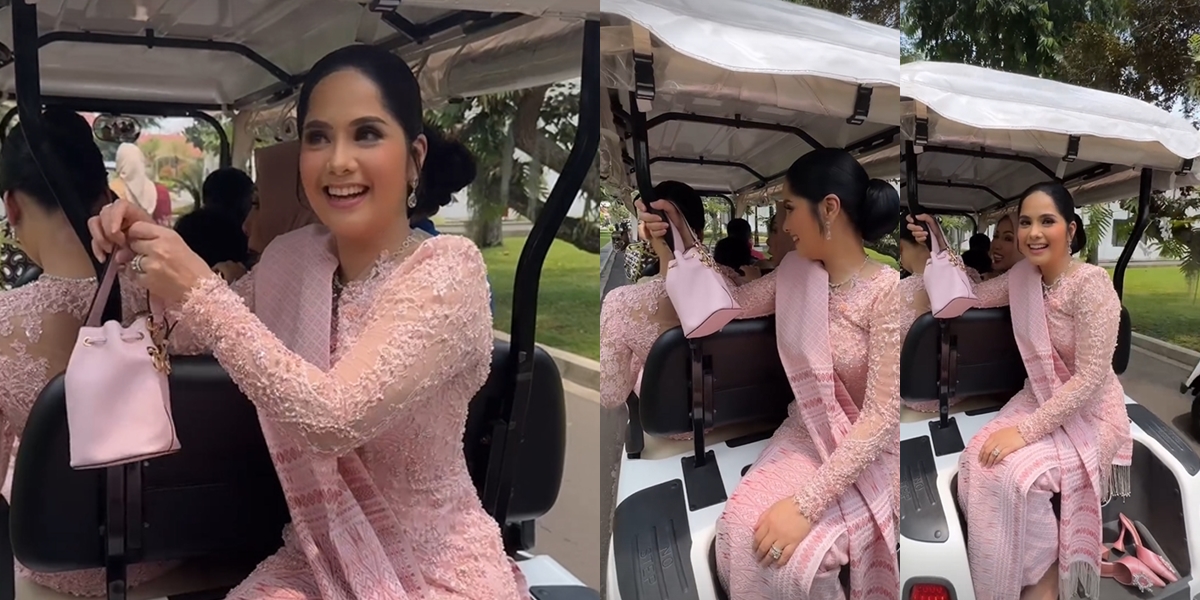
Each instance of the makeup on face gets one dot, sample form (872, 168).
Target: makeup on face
(1041, 230)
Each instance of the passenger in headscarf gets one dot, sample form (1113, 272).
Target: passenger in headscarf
(134, 185)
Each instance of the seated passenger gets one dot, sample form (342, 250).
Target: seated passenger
(735, 254)
(824, 492)
(133, 184)
(361, 343)
(1065, 433)
(42, 318)
(628, 327)
(778, 242)
(229, 191)
(1004, 252)
(739, 229)
(914, 256)
(977, 256)
(217, 238)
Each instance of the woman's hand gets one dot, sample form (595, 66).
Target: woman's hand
(163, 263)
(108, 228)
(780, 530)
(655, 225)
(920, 233)
(999, 445)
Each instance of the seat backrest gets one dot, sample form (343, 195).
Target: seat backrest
(1124, 343)
(539, 469)
(988, 360)
(218, 496)
(748, 381)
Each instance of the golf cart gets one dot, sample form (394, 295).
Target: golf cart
(813, 80)
(219, 500)
(975, 139)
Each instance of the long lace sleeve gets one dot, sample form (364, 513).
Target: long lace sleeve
(429, 324)
(992, 293)
(183, 340)
(878, 425)
(630, 322)
(1096, 317)
(757, 298)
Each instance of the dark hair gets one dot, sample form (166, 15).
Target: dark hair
(907, 236)
(733, 253)
(980, 242)
(70, 139)
(229, 190)
(213, 235)
(872, 205)
(687, 200)
(449, 167)
(739, 228)
(1064, 204)
(398, 87)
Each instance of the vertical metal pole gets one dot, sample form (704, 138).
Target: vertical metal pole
(1139, 228)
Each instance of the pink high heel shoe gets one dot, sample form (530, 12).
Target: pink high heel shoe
(1128, 570)
(1149, 553)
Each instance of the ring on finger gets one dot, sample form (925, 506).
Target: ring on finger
(996, 453)
(776, 553)
(136, 264)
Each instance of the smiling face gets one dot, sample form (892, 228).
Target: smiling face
(1003, 252)
(1044, 234)
(778, 242)
(802, 223)
(356, 164)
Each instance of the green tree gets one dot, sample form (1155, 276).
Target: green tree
(204, 136)
(1136, 48)
(541, 123)
(1145, 49)
(882, 12)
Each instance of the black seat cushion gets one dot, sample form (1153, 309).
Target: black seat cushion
(543, 450)
(748, 381)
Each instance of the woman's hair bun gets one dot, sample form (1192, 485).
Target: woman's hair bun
(879, 214)
(449, 166)
(1079, 241)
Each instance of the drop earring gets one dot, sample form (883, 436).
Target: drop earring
(412, 196)
(828, 230)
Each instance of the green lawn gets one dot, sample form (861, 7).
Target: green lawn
(1161, 307)
(568, 295)
(605, 237)
(887, 260)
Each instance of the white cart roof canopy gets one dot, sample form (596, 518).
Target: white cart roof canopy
(462, 47)
(792, 68)
(974, 113)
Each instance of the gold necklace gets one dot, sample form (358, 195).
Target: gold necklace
(852, 280)
(1050, 287)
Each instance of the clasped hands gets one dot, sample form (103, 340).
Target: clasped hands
(158, 258)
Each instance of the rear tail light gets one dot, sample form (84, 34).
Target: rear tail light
(928, 591)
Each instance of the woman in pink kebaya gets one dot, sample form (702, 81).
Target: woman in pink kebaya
(824, 493)
(361, 343)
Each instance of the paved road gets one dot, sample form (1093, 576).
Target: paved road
(1154, 382)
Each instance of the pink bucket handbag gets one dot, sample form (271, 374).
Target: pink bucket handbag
(118, 400)
(699, 294)
(946, 281)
